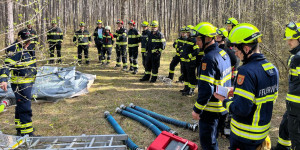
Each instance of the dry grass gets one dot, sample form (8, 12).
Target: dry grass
(84, 114)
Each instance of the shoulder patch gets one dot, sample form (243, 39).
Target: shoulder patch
(204, 66)
(240, 79)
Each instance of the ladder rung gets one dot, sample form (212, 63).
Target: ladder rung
(92, 142)
(71, 145)
(52, 144)
(35, 143)
(111, 140)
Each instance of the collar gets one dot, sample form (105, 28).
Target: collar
(255, 57)
(211, 47)
(296, 50)
(222, 46)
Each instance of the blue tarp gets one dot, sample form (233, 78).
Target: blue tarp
(54, 83)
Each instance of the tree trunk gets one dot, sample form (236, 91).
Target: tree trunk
(9, 37)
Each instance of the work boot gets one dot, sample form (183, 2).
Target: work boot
(131, 68)
(171, 76)
(153, 79)
(87, 62)
(124, 68)
(190, 92)
(18, 133)
(107, 63)
(185, 93)
(135, 71)
(146, 77)
(51, 61)
(117, 66)
(184, 89)
(59, 61)
(180, 79)
(102, 63)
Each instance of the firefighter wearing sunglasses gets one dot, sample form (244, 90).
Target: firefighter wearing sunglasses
(289, 131)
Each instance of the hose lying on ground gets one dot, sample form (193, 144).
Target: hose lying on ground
(160, 117)
(157, 123)
(141, 120)
(119, 130)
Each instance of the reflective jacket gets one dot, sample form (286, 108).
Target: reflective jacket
(55, 35)
(156, 42)
(19, 65)
(121, 36)
(144, 40)
(33, 35)
(96, 35)
(134, 37)
(82, 37)
(293, 95)
(107, 39)
(178, 44)
(190, 50)
(256, 90)
(233, 59)
(215, 70)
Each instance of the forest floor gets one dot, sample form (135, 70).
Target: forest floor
(112, 87)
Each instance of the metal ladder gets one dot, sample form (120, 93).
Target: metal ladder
(102, 142)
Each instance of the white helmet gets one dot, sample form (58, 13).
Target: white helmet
(107, 28)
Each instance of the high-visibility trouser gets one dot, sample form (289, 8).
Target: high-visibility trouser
(23, 112)
(99, 48)
(293, 111)
(152, 63)
(175, 61)
(284, 142)
(106, 50)
(133, 56)
(85, 49)
(189, 73)
(121, 51)
(52, 46)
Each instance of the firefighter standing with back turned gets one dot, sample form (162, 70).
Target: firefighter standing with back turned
(155, 45)
(108, 42)
(289, 130)
(34, 41)
(82, 40)
(21, 67)
(256, 90)
(215, 70)
(55, 38)
(134, 38)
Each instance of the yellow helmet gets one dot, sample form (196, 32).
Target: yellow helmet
(244, 33)
(188, 28)
(154, 23)
(82, 24)
(53, 22)
(28, 22)
(292, 31)
(145, 24)
(232, 21)
(99, 22)
(223, 32)
(204, 29)
(182, 29)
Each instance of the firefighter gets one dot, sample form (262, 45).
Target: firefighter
(256, 90)
(21, 67)
(34, 41)
(215, 70)
(121, 44)
(144, 39)
(98, 36)
(231, 23)
(108, 41)
(134, 38)
(55, 38)
(222, 34)
(289, 133)
(190, 50)
(82, 40)
(155, 45)
(178, 44)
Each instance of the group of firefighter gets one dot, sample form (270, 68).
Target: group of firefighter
(211, 52)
